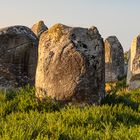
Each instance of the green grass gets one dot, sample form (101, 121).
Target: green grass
(23, 118)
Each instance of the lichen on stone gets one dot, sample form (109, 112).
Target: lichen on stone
(56, 32)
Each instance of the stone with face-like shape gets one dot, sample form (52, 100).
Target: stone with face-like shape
(71, 65)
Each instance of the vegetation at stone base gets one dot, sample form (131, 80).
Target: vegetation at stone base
(23, 118)
(126, 57)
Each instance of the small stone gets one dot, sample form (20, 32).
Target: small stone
(39, 28)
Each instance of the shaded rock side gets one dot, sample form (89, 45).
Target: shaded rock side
(133, 74)
(114, 60)
(126, 59)
(18, 56)
(71, 65)
(39, 28)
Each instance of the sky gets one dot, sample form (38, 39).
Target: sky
(112, 17)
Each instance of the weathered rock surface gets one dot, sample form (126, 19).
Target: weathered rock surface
(114, 60)
(18, 56)
(71, 65)
(39, 28)
(133, 75)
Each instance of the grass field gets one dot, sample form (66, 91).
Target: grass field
(23, 118)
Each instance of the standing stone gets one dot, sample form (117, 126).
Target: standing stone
(133, 75)
(39, 28)
(114, 59)
(71, 65)
(18, 56)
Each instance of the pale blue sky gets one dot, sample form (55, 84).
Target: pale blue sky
(112, 17)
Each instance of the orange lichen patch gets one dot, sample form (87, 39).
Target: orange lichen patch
(56, 32)
(57, 27)
(109, 87)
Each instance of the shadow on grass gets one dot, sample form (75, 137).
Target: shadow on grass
(113, 99)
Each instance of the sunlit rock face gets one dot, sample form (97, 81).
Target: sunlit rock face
(133, 75)
(18, 56)
(71, 65)
(39, 28)
(114, 60)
